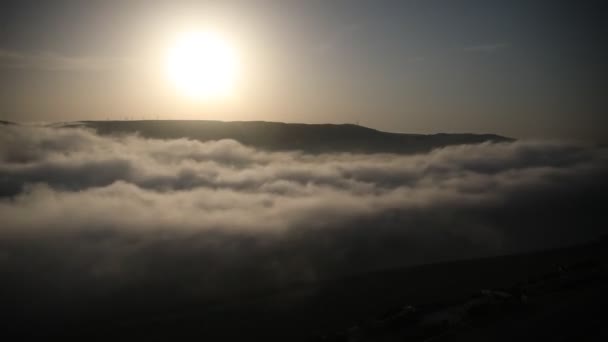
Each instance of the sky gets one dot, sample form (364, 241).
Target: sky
(525, 69)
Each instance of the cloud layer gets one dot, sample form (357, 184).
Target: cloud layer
(82, 213)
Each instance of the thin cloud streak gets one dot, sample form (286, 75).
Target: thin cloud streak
(50, 61)
(487, 48)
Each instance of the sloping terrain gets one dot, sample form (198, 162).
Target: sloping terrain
(545, 293)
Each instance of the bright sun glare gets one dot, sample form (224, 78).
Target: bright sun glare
(202, 65)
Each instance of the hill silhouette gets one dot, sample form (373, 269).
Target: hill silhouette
(277, 136)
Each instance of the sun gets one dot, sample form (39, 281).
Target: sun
(202, 65)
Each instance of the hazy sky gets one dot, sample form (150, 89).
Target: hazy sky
(517, 68)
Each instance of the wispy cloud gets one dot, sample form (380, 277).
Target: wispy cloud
(487, 48)
(335, 38)
(13, 59)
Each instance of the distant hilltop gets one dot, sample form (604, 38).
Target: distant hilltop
(278, 136)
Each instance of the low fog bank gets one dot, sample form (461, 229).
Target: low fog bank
(89, 215)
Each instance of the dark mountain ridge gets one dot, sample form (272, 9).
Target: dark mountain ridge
(277, 136)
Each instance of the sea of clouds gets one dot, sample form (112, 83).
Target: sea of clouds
(84, 213)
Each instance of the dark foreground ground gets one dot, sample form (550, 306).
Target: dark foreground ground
(558, 295)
